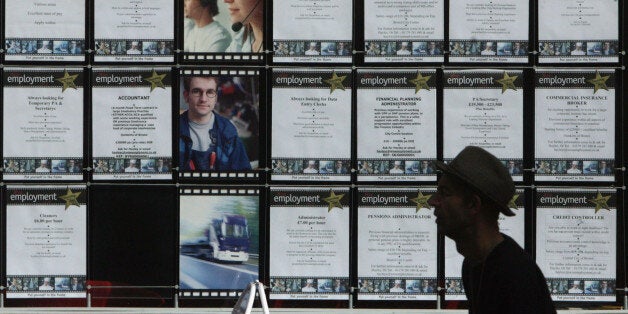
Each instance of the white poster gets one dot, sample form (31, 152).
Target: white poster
(132, 124)
(311, 124)
(404, 31)
(578, 31)
(485, 108)
(61, 23)
(513, 226)
(313, 31)
(43, 124)
(46, 232)
(575, 125)
(396, 125)
(397, 244)
(576, 243)
(134, 31)
(309, 243)
(489, 31)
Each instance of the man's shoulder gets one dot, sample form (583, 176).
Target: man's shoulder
(512, 266)
(222, 120)
(224, 125)
(511, 251)
(183, 119)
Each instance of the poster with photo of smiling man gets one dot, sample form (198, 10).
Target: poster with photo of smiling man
(219, 123)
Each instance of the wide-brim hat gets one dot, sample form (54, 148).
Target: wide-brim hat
(484, 173)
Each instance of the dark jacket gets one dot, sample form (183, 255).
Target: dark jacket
(230, 152)
(508, 281)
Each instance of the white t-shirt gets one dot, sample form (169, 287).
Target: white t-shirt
(212, 37)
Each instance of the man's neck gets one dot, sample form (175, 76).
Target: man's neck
(200, 119)
(478, 245)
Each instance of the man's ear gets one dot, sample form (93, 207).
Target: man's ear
(475, 203)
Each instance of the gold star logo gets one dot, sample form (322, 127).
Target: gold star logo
(335, 82)
(420, 82)
(600, 202)
(333, 200)
(67, 80)
(421, 201)
(508, 82)
(598, 82)
(70, 198)
(513, 202)
(156, 80)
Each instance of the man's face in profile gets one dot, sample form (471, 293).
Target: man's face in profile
(199, 98)
(450, 208)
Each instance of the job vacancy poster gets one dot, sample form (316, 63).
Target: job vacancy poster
(46, 233)
(134, 31)
(489, 31)
(61, 23)
(396, 125)
(404, 31)
(513, 226)
(575, 125)
(309, 243)
(131, 123)
(43, 124)
(485, 108)
(397, 244)
(311, 124)
(576, 243)
(578, 31)
(313, 31)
